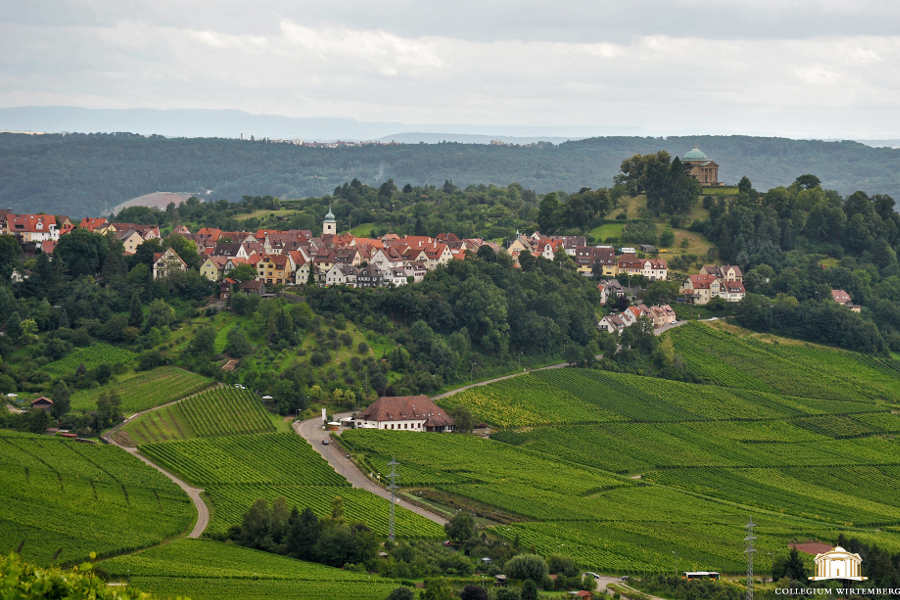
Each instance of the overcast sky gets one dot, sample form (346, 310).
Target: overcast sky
(796, 68)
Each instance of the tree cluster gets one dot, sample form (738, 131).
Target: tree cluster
(274, 527)
(800, 242)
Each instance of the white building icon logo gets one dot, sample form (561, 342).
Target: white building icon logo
(837, 563)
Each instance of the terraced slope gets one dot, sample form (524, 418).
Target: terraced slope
(237, 470)
(145, 389)
(220, 411)
(64, 499)
(207, 570)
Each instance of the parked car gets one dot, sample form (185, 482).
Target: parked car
(325, 442)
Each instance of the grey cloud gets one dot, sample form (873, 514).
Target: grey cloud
(531, 20)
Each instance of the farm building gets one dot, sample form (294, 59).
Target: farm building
(42, 403)
(408, 413)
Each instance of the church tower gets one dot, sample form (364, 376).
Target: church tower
(329, 225)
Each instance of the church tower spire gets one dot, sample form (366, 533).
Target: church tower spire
(329, 225)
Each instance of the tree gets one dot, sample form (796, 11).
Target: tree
(486, 253)
(60, 396)
(160, 314)
(185, 248)
(526, 566)
(462, 418)
(529, 590)
(791, 567)
(667, 238)
(461, 527)
(135, 311)
(108, 410)
(744, 186)
(661, 292)
(82, 252)
(10, 256)
(203, 343)
(807, 182)
(547, 217)
(438, 589)
(473, 592)
(242, 273)
(144, 253)
(303, 534)
(401, 593)
(506, 594)
(37, 420)
(237, 343)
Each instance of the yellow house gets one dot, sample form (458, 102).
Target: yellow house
(275, 269)
(130, 239)
(213, 267)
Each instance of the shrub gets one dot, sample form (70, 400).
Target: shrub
(527, 566)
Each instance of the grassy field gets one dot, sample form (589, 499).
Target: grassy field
(220, 411)
(363, 230)
(607, 230)
(237, 470)
(63, 500)
(264, 213)
(725, 190)
(144, 389)
(91, 357)
(210, 570)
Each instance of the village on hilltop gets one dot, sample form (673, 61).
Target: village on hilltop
(297, 257)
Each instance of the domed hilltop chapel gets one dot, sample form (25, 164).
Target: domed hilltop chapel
(704, 170)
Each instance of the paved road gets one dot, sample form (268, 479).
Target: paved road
(311, 430)
(192, 492)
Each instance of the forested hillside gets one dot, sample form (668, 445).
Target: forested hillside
(88, 174)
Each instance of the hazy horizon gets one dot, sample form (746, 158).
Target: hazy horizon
(236, 123)
(811, 69)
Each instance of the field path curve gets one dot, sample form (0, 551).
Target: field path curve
(192, 492)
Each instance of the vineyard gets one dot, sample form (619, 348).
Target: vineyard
(738, 359)
(212, 570)
(577, 396)
(684, 489)
(634, 447)
(220, 411)
(237, 470)
(64, 499)
(145, 389)
(91, 357)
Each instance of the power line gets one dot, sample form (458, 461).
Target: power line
(393, 488)
(750, 551)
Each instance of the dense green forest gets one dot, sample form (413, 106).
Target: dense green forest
(81, 174)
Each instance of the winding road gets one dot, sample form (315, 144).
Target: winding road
(192, 492)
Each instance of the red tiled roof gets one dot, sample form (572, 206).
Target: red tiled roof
(92, 223)
(29, 223)
(841, 297)
(701, 281)
(407, 408)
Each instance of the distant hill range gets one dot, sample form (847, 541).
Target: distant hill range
(80, 174)
(237, 124)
